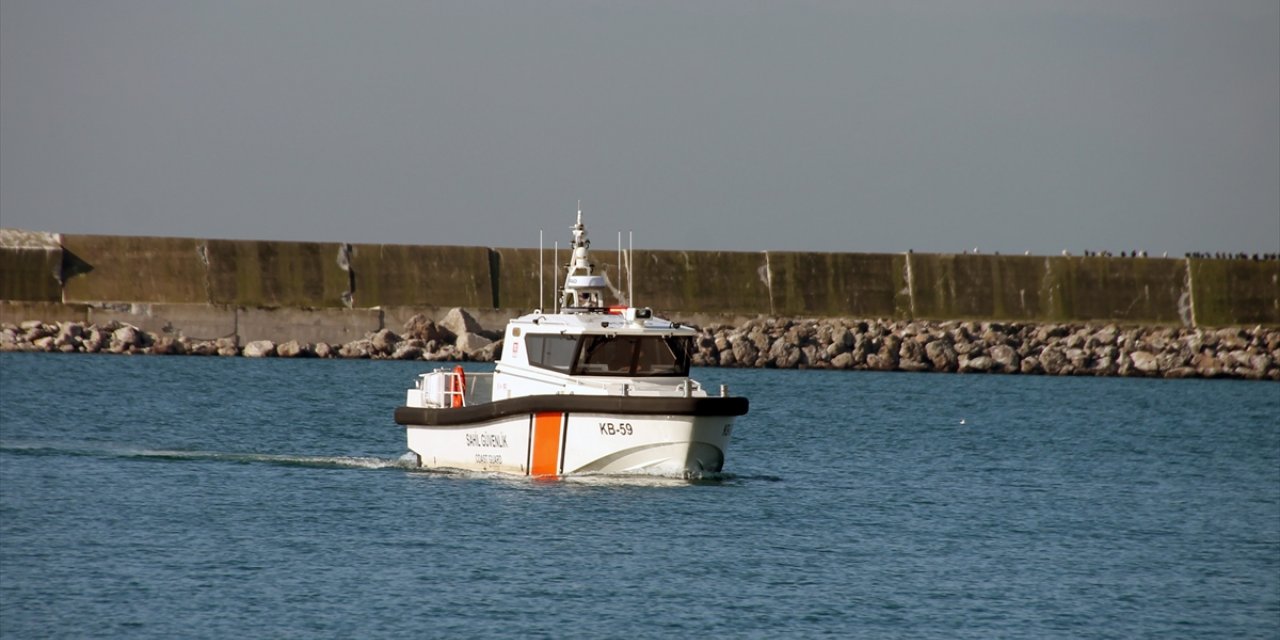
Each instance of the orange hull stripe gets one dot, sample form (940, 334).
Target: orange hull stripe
(546, 444)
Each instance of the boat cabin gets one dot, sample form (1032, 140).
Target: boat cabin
(609, 354)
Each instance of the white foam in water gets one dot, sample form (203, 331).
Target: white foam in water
(350, 462)
(407, 461)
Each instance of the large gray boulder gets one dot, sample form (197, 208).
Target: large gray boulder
(71, 333)
(202, 348)
(458, 322)
(384, 341)
(471, 343)
(1005, 358)
(790, 358)
(911, 356)
(228, 347)
(1078, 357)
(95, 340)
(424, 329)
(446, 353)
(1053, 360)
(745, 352)
(293, 349)
(259, 349)
(35, 330)
(1104, 366)
(494, 351)
(841, 340)
(407, 350)
(778, 349)
(979, 364)
(1261, 362)
(942, 356)
(842, 361)
(359, 349)
(167, 346)
(1145, 361)
(727, 359)
(124, 338)
(875, 363)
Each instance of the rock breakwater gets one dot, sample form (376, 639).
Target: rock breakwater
(457, 337)
(992, 347)
(784, 343)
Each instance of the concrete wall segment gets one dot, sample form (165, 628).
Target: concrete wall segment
(1126, 289)
(943, 286)
(390, 275)
(32, 274)
(271, 274)
(194, 321)
(17, 312)
(1235, 292)
(334, 326)
(834, 284)
(518, 271)
(136, 269)
(697, 281)
(30, 265)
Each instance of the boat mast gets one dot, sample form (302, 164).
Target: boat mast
(583, 289)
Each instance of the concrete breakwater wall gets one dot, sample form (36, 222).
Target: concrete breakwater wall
(253, 284)
(1059, 315)
(876, 345)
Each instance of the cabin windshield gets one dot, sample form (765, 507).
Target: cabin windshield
(554, 351)
(596, 355)
(634, 356)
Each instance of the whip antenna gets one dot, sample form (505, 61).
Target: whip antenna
(542, 273)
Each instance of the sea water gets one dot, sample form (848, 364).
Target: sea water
(166, 497)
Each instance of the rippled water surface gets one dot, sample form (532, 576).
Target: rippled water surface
(162, 497)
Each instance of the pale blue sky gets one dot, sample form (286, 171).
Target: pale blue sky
(728, 125)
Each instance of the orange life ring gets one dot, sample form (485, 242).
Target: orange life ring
(458, 385)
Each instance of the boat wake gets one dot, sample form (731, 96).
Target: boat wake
(404, 462)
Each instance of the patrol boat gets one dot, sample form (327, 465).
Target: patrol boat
(585, 389)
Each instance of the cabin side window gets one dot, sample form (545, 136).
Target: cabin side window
(634, 356)
(667, 356)
(554, 352)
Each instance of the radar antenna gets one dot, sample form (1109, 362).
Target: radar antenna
(583, 289)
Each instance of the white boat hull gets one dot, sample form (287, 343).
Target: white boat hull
(561, 443)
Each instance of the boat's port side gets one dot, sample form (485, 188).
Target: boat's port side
(497, 445)
(552, 443)
(696, 406)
